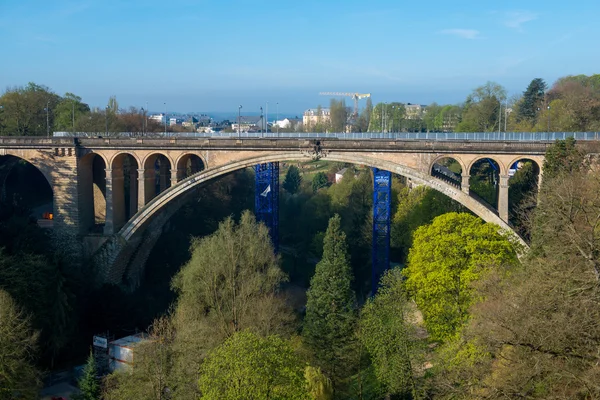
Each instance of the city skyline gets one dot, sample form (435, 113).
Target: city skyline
(212, 57)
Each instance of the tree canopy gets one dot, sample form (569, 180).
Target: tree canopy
(447, 256)
(250, 367)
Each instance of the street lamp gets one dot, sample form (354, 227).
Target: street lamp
(73, 116)
(548, 120)
(48, 119)
(267, 119)
(277, 119)
(106, 118)
(165, 118)
(261, 121)
(1, 121)
(143, 115)
(239, 121)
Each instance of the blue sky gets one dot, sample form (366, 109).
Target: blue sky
(214, 55)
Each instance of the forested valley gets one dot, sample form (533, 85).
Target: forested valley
(463, 313)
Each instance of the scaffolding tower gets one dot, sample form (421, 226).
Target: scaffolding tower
(266, 198)
(382, 195)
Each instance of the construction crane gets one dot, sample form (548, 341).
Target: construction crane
(355, 97)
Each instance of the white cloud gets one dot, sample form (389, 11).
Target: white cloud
(516, 19)
(462, 33)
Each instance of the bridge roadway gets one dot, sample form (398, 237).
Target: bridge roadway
(88, 175)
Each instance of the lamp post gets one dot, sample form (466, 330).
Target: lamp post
(262, 122)
(277, 119)
(165, 118)
(73, 116)
(548, 121)
(2, 120)
(239, 121)
(48, 119)
(143, 114)
(267, 119)
(106, 119)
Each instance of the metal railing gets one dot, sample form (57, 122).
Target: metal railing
(431, 136)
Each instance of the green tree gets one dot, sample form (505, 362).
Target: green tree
(330, 313)
(68, 111)
(319, 386)
(447, 256)
(248, 367)
(230, 283)
(88, 383)
(338, 114)
(292, 180)
(319, 181)
(417, 207)
(531, 101)
(18, 376)
(391, 339)
(482, 108)
(562, 157)
(24, 110)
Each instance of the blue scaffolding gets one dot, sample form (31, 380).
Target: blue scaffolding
(382, 196)
(266, 198)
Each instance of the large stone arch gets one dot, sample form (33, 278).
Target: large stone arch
(137, 224)
(121, 259)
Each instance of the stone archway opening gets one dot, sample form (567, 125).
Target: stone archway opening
(523, 183)
(92, 188)
(484, 181)
(25, 191)
(124, 186)
(188, 165)
(449, 170)
(157, 176)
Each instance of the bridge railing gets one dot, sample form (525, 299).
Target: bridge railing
(431, 136)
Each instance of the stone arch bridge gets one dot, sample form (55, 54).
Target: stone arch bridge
(117, 193)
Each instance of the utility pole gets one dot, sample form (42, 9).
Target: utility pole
(262, 121)
(73, 117)
(505, 114)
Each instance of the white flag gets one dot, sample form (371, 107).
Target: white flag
(266, 192)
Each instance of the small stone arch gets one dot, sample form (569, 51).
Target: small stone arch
(502, 170)
(445, 171)
(189, 164)
(157, 169)
(92, 192)
(122, 190)
(486, 188)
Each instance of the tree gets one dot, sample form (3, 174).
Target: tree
(319, 181)
(532, 100)
(292, 180)
(417, 207)
(24, 110)
(88, 383)
(482, 108)
(69, 110)
(319, 386)
(18, 376)
(330, 314)
(152, 376)
(390, 338)
(230, 283)
(447, 256)
(338, 114)
(248, 367)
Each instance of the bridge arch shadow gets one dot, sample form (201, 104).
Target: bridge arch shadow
(26, 190)
(121, 258)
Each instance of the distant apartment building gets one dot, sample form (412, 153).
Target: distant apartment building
(158, 118)
(414, 111)
(249, 124)
(287, 123)
(312, 116)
